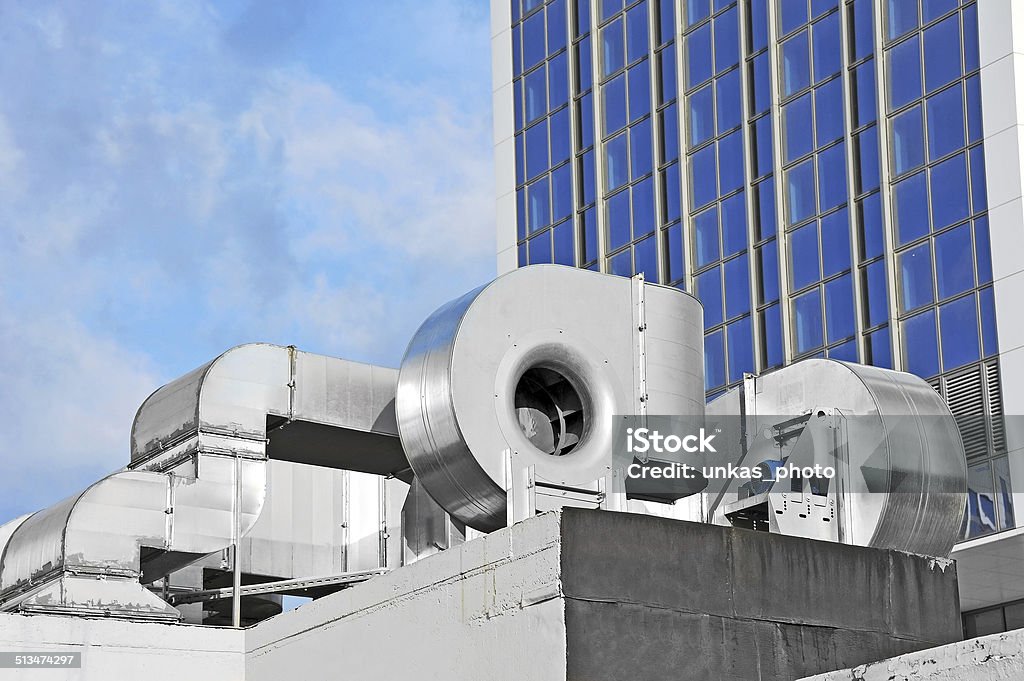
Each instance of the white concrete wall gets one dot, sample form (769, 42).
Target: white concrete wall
(999, 657)
(1001, 31)
(113, 650)
(489, 609)
(504, 133)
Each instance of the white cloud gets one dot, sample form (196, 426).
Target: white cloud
(164, 196)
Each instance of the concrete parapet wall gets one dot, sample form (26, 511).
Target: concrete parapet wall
(999, 657)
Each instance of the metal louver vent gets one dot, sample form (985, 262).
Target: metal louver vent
(993, 390)
(966, 399)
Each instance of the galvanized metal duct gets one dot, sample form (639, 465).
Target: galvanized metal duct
(905, 478)
(538, 362)
(197, 479)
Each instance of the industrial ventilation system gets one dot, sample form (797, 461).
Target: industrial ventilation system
(272, 471)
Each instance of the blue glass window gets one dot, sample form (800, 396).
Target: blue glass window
(958, 322)
(835, 243)
(916, 277)
(702, 115)
(639, 91)
(520, 158)
(618, 220)
(911, 197)
(534, 48)
(521, 255)
(828, 111)
(730, 162)
(974, 129)
(800, 188)
(905, 73)
(794, 14)
(807, 321)
(610, 7)
(670, 186)
(864, 94)
(586, 119)
(983, 250)
(827, 47)
(990, 344)
(590, 241)
(706, 234)
(741, 350)
(879, 351)
(941, 53)
(920, 345)
(727, 40)
(730, 107)
(612, 56)
(737, 287)
(771, 330)
(666, 21)
(521, 213)
(698, 56)
(643, 208)
(517, 50)
(646, 259)
(832, 176)
(819, 7)
(560, 143)
(949, 191)
(954, 264)
(768, 273)
(536, 95)
(979, 187)
(902, 16)
(696, 11)
(582, 17)
(867, 160)
(798, 121)
(847, 352)
(640, 158)
(621, 264)
(616, 162)
(876, 306)
(933, 9)
(796, 73)
(872, 239)
(862, 34)
(945, 122)
(839, 315)
(561, 193)
(564, 244)
(584, 66)
(614, 93)
(803, 256)
(556, 26)
(669, 134)
(734, 224)
(714, 358)
(762, 133)
(674, 251)
(536, 149)
(764, 199)
(636, 33)
(709, 292)
(540, 248)
(667, 66)
(588, 188)
(702, 178)
(907, 141)
(558, 81)
(758, 24)
(971, 56)
(761, 83)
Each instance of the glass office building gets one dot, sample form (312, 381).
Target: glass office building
(831, 178)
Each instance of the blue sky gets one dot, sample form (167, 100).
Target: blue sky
(179, 177)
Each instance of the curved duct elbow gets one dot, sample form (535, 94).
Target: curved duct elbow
(197, 480)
